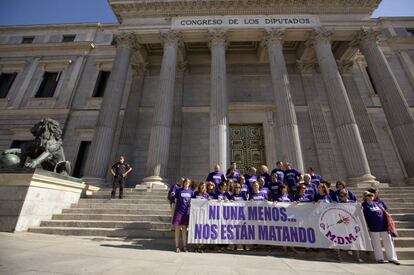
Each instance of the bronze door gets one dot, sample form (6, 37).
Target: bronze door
(247, 146)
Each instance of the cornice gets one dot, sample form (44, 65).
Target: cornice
(166, 8)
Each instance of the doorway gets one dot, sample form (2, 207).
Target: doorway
(247, 147)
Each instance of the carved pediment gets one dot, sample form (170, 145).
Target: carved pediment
(168, 8)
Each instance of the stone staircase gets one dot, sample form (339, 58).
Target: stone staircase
(144, 214)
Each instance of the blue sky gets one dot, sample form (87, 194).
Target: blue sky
(23, 12)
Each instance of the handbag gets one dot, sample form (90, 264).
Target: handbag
(390, 223)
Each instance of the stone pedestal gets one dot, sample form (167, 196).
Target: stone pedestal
(29, 196)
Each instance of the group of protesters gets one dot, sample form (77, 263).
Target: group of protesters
(283, 184)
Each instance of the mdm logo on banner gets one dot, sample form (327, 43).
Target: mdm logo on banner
(324, 225)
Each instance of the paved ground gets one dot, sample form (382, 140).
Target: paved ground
(27, 253)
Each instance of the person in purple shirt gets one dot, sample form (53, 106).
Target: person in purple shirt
(292, 178)
(301, 195)
(377, 226)
(377, 198)
(222, 194)
(315, 178)
(283, 195)
(216, 176)
(323, 194)
(264, 173)
(171, 197)
(211, 190)
(274, 186)
(182, 214)
(263, 188)
(238, 195)
(311, 188)
(256, 195)
(233, 173)
(279, 171)
(250, 177)
(201, 193)
(341, 185)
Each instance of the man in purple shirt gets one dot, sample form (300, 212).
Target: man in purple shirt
(250, 177)
(233, 173)
(216, 176)
(279, 171)
(292, 178)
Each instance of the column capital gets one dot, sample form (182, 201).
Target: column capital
(126, 40)
(365, 34)
(140, 68)
(273, 36)
(218, 37)
(319, 35)
(345, 66)
(306, 66)
(171, 38)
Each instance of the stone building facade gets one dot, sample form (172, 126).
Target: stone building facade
(180, 85)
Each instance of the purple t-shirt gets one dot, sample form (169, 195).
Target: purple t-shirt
(351, 196)
(222, 196)
(183, 199)
(292, 177)
(265, 191)
(238, 197)
(316, 179)
(282, 198)
(280, 174)
(274, 188)
(217, 178)
(311, 190)
(233, 175)
(374, 216)
(325, 198)
(303, 198)
(200, 196)
(381, 203)
(250, 180)
(257, 196)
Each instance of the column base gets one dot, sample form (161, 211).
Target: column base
(152, 183)
(95, 181)
(410, 181)
(366, 181)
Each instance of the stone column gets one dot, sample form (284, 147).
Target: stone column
(218, 100)
(159, 145)
(97, 165)
(396, 109)
(287, 125)
(347, 131)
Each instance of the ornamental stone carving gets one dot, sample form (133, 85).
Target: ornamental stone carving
(171, 38)
(218, 37)
(319, 35)
(365, 34)
(273, 36)
(127, 40)
(306, 67)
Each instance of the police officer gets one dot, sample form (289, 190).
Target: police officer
(120, 171)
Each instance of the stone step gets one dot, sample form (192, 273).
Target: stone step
(107, 232)
(113, 217)
(125, 201)
(406, 232)
(400, 210)
(118, 211)
(400, 204)
(108, 224)
(405, 253)
(404, 242)
(124, 206)
(404, 224)
(403, 216)
(130, 196)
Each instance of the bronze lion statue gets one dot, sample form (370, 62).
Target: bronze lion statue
(45, 151)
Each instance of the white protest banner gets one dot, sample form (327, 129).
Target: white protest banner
(324, 225)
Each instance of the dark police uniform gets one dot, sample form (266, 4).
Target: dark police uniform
(119, 169)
